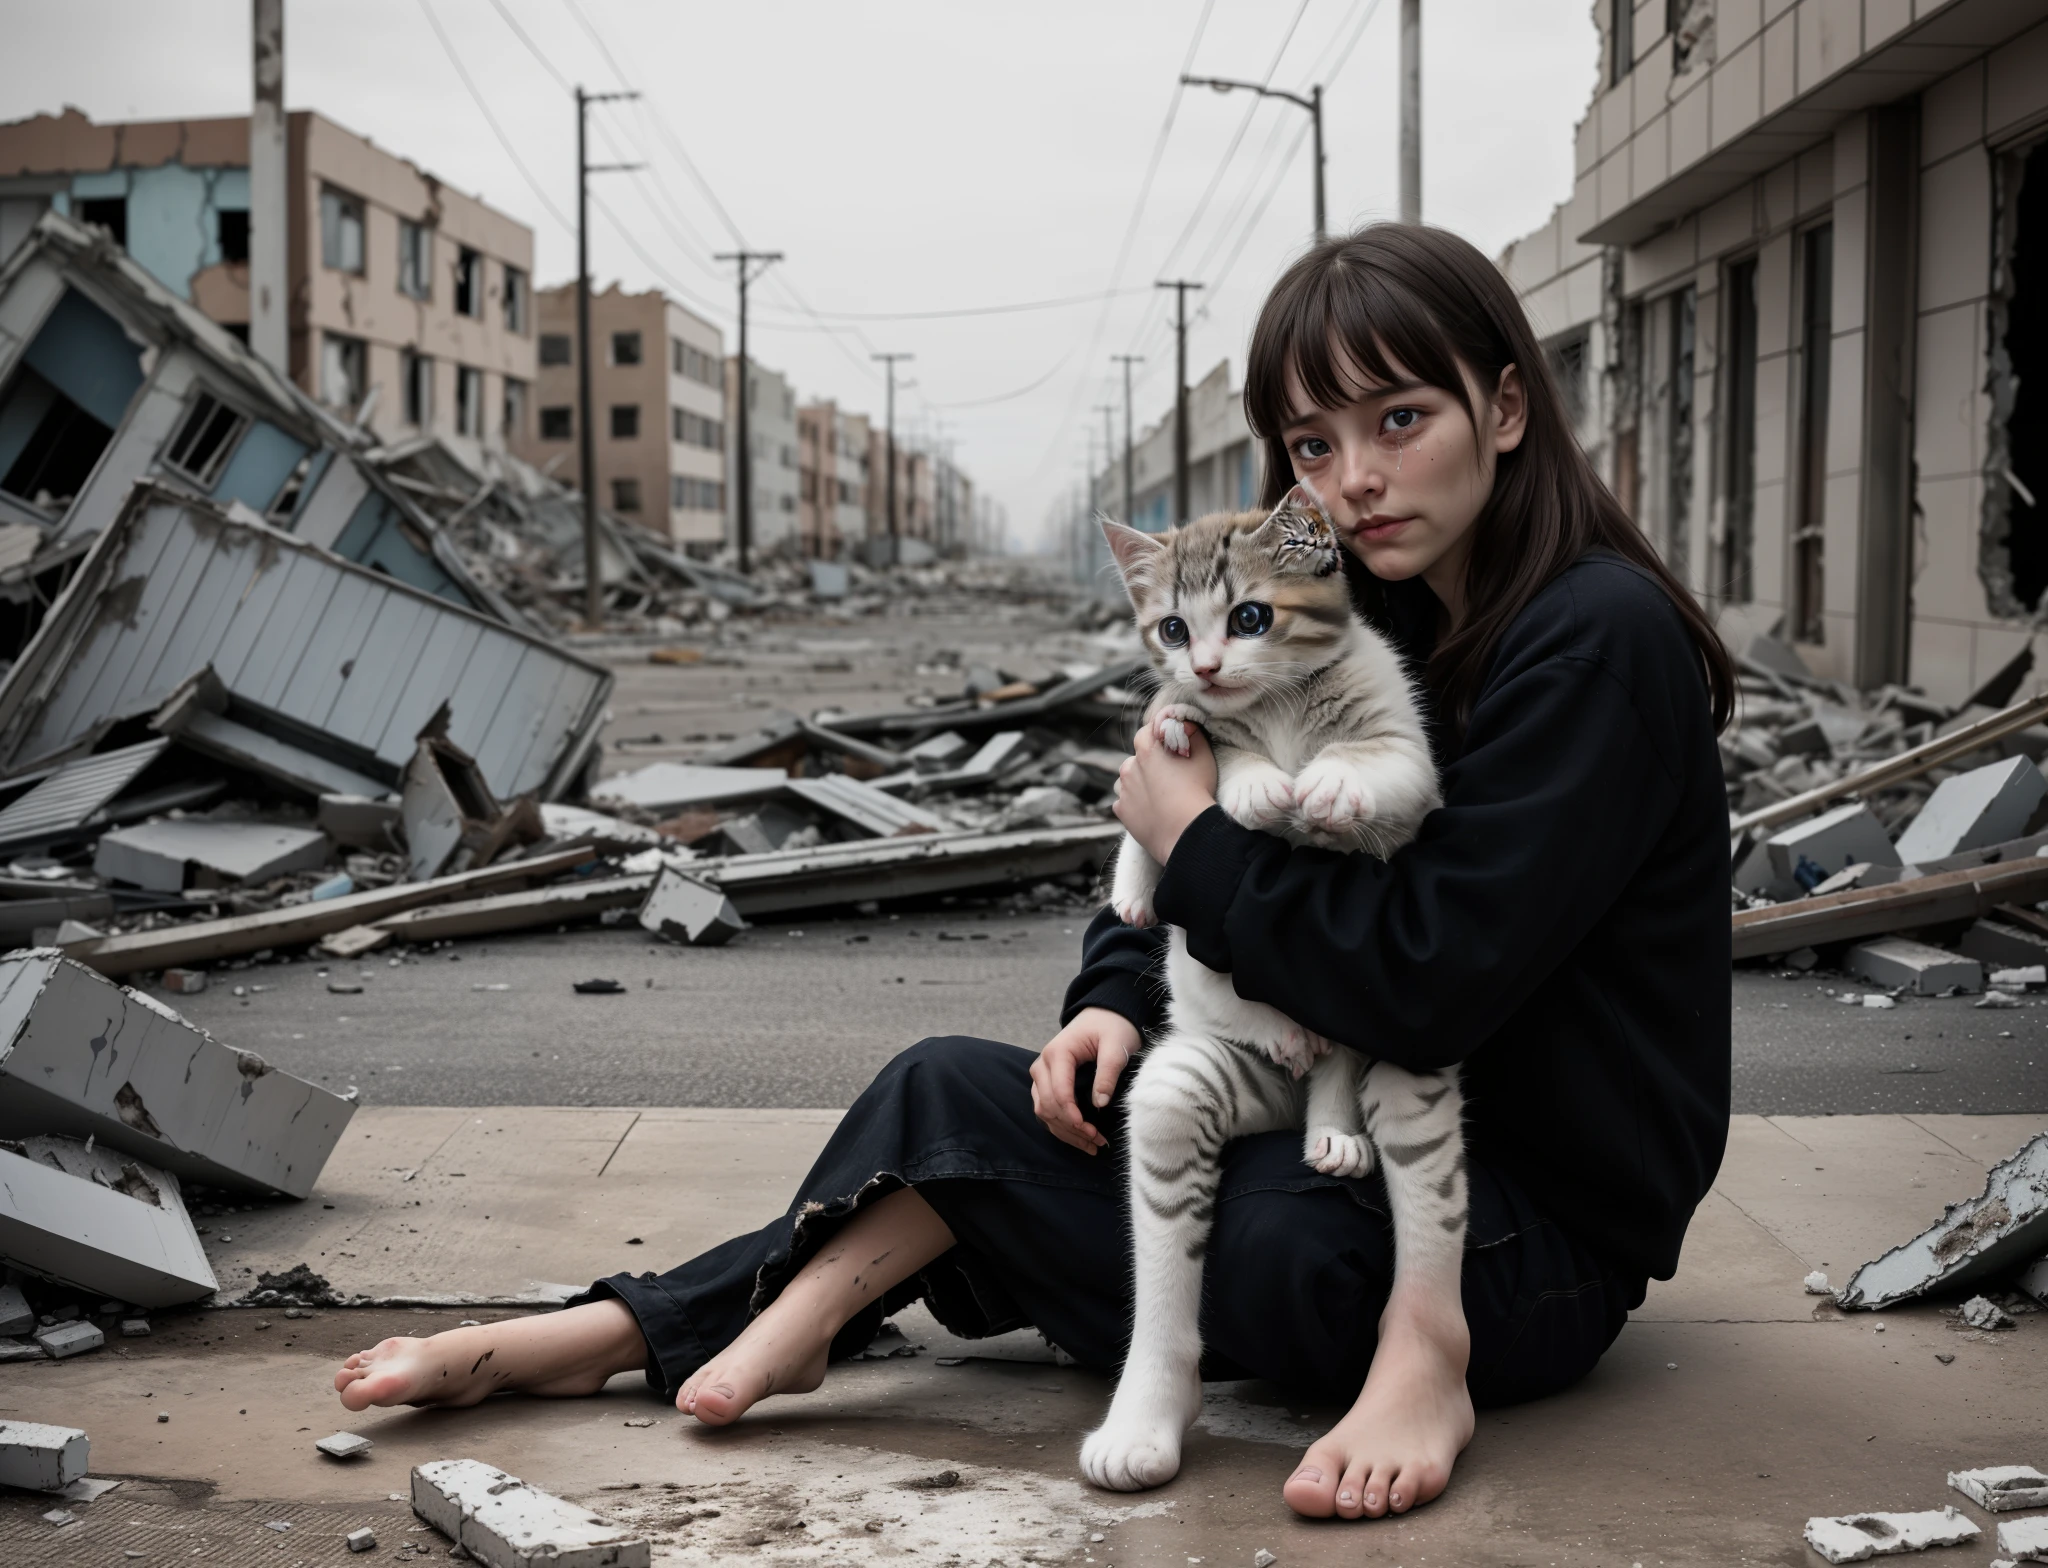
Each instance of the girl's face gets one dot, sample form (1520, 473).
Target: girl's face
(1402, 472)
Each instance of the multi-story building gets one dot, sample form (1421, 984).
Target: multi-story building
(772, 441)
(832, 463)
(399, 287)
(657, 398)
(916, 493)
(1799, 295)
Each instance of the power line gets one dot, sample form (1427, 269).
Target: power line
(490, 119)
(979, 310)
(1010, 397)
(532, 48)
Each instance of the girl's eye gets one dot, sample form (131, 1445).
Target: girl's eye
(1312, 449)
(1401, 419)
(1251, 619)
(1173, 631)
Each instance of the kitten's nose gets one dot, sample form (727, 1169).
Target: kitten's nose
(1207, 660)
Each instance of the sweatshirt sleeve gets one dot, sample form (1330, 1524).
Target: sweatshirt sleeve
(1562, 790)
(1119, 971)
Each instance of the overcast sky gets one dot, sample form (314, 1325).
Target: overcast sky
(906, 155)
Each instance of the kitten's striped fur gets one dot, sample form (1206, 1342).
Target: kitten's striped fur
(1318, 739)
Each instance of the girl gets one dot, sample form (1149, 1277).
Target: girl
(1559, 928)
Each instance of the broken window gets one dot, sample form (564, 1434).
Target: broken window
(625, 495)
(417, 372)
(415, 259)
(1816, 343)
(70, 390)
(200, 445)
(625, 348)
(555, 348)
(1738, 502)
(231, 232)
(515, 301)
(469, 283)
(2014, 558)
(625, 421)
(344, 371)
(557, 422)
(1621, 40)
(1567, 357)
(110, 213)
(469, 401)
(514, 421)
(341, 230)
(1685, 305)
(62, 445)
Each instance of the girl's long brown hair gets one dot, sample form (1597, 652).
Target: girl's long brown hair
(1400, 301)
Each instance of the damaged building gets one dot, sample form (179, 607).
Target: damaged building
(1799, 297)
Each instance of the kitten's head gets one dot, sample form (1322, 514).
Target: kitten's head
(1237, 606)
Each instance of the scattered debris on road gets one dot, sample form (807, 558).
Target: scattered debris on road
(2002, 1489)
(344, 1445)
(41, 1458)
(1854, 1538)
(502, 1522)
(1982, 1239)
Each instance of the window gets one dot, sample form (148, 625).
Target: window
(515, 301)
(558, 422)
(625, 421)
(676, 349)
(1816, 343)
(343, 372)
(199, 447)
(1678, 498)
(695, 430)
(469, 401)
(1568, 363)
(684, 360)
(678, 489)
(341, 230)
(555, 348)
(514, 414)
(625, 495)
(2014, 562)
(1739, 438)
(469, 283)
(1621, 36)
(110, 213)
(625, 348)
(417, 372)
(415, 259)
(231, 232)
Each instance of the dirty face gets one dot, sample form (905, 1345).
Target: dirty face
(1237, 606)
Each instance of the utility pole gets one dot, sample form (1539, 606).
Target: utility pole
(1313, 103)
(1411, 111)
(1107, 411)
(1130, 502)
(269, 199)
(1180, 287)
(742, 449)
(889, 424)
(586, 447)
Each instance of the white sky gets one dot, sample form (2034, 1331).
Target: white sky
(906, 155)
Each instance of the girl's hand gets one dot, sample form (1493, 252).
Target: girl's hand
(1097, 1035)
(1158, 794)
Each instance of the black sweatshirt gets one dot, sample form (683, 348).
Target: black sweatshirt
(1559, 926)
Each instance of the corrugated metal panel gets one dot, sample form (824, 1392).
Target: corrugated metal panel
(68, 797)
(175, 585)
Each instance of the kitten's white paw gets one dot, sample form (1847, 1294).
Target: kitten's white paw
(1337, 1153)
(1298, 1049)
(1135, 911)
(1257, 797)
(1334, 797)
(1173, 725)
(1130, 1455)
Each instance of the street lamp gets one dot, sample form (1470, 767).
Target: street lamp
(1313, 103)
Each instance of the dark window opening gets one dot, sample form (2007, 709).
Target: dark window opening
(232, 231)
(1685, 307)
(58, 456)
(341, 230)
(200, 445)
(625, 495)
(417, 372)
(2016, 480)
(557, 423)
(1621, 33)
(415, 259)
(110, 213)
(1568, 364)
(469, 283)
(625, 421)
(1738, 520)
(625, 348)
(1816, 344)
(555, 348)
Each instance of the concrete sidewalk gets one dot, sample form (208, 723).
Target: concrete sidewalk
(1732, 1408)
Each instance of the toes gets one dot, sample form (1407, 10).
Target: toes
(1351, 1490)
(1377, 1488)
(1310, 1491)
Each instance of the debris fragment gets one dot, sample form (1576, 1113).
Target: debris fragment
(2002, 1489)
(16, 1316)
(41, 1458)
(96, 1219)
(1997, 1001)
(1263, 1559)
(1816, 1284)
(1981, 1312)
(176, 854)
(683, 909)
(598, 988)
(1978, 1239)
(184, 982)
(1925, 971)
(1987, 805)
(501, 1521)
(344, 1445)
(363, 1540)
(1852, 1538)
(60, 1517)
(135, 1328)
(69, 1339)
(2025, 1539)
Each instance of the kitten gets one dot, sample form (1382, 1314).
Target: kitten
(1317, 739)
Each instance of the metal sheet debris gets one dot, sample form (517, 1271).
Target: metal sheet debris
(73, 797)
(1979, 1239)
(173, 855)
(1853, 1538)
(672, 786)
(683, 909)
(504, 1523)
(101, 1221)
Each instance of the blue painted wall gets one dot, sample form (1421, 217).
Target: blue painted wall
(375, 538)
(83, 353)
(173, 215)
(259, 468)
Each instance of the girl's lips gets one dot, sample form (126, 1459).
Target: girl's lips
(1382, 528)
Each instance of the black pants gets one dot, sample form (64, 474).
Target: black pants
(1298, 1271)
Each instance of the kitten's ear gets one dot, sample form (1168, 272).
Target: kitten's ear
(1299, 534)
(1138, 555)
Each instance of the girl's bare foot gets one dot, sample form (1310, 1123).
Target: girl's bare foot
(780, 1352)
(1395, 1446)
(554, 1353)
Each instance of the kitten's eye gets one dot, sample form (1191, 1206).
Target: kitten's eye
(1311, 449)
(1400, 419)
(1251, 619)
(1173, 631)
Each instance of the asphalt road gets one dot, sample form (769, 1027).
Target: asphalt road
(802, 1014)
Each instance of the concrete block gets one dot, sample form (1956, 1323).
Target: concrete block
(67, 1339)
(16, 1316)
(2034, 1280)
(1997, 945)
(2025, 1540)
(1982, 1238)
(1987, 805)
(344, 1445)
(1894, 961)
(40, 1458)
(1853, 1538)
(135, 1328)
(173, 855)
(184, 982)
(82, 1056)
(2002, 1489)
(99, 1220)
(363, 1540)
(683, 909)
(502, 1522)
(1845, 836)
(19, 1350)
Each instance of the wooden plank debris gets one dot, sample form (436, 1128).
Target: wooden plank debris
(1895, 906)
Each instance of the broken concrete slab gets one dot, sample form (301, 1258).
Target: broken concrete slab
(1986, 805)
(1999, 945)
(16, 1315)
(344, 1445)
(40, 1458)
(1895, 962)
(362, 822)
(1980, 1239)
(2002, 1489)
(670, 786)
(1981, 1312)
(2026, 1540)
(80, 1055)
(683, 909)
(1810, 852)
(97, 1219)
(502, 1522)
(174, 855)
(1854, 1538)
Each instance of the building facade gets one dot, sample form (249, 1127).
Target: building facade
(832, 479)
(657, 398)
(1800, 297)
(774, 473)
(408, 299)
